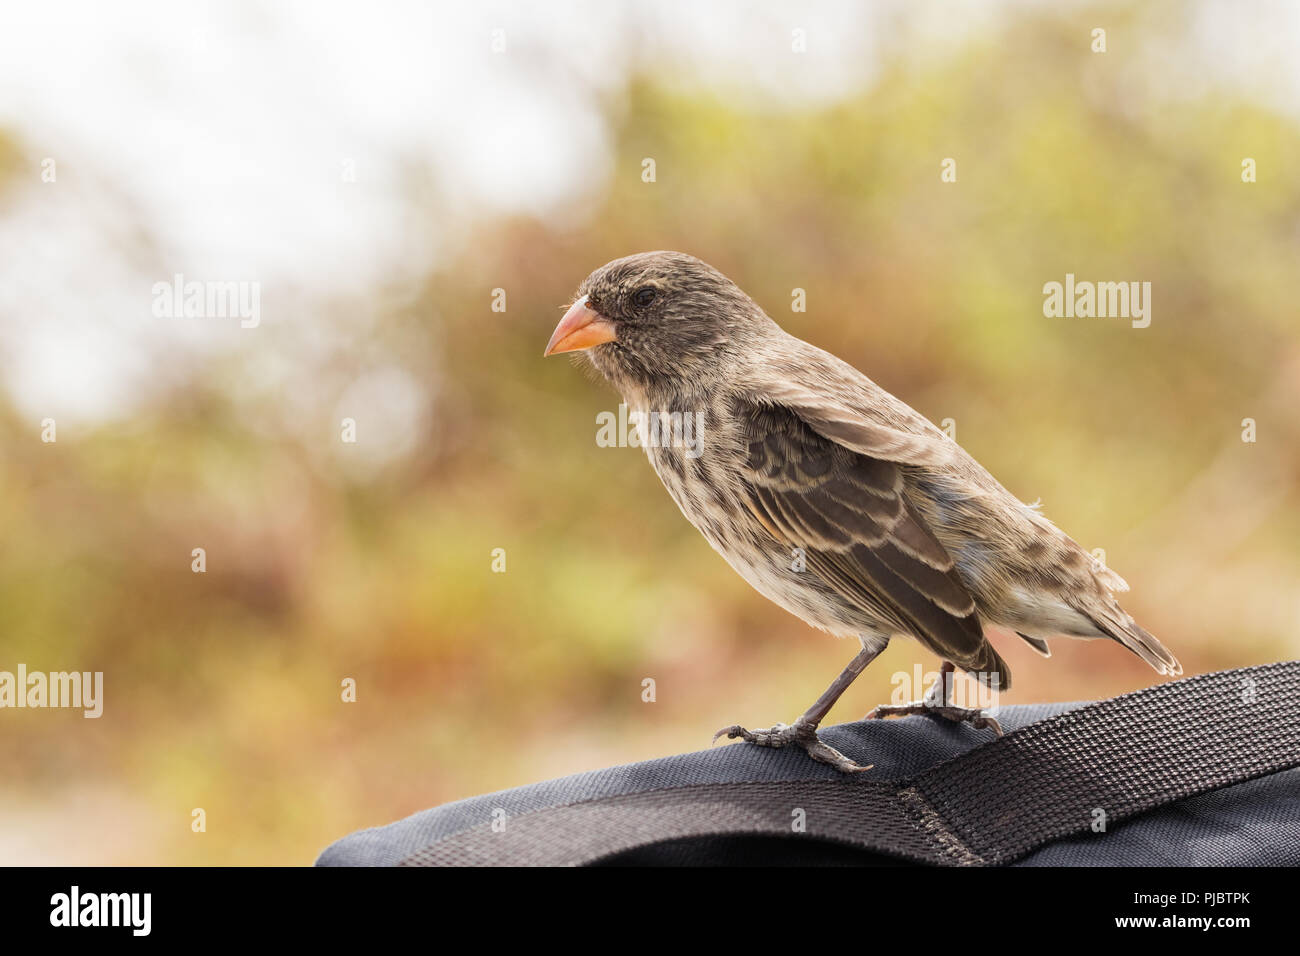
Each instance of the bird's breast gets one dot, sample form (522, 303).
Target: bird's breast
(705, 479)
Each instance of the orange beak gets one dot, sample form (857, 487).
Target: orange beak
(581, 328)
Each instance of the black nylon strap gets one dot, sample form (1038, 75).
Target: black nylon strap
(989, 806)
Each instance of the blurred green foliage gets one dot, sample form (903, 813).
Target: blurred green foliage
(223, 689)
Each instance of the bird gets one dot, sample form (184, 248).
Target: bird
(831, 497)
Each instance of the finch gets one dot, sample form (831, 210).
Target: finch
(830, 496)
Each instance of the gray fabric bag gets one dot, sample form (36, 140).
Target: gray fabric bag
(1195, 772)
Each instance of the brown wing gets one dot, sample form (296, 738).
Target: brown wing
(850, 514)
(918, 443)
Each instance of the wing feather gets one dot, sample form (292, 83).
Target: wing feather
(849, 511)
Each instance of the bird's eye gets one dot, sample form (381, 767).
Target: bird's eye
(643, 297)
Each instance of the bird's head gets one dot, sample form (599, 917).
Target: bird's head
(659, 318)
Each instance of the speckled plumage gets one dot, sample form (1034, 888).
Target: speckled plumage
(899, 530)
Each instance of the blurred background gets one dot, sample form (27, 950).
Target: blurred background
(380, 169)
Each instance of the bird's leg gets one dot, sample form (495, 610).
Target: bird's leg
(938, 703)
(803, 732)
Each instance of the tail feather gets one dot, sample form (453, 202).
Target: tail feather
(1037, 643)
(1119, 626)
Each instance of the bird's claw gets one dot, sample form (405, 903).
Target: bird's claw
(801, 734)
(976, 718)
(734, 732)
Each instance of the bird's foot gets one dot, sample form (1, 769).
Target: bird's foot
(976, 718)
(801, 733)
